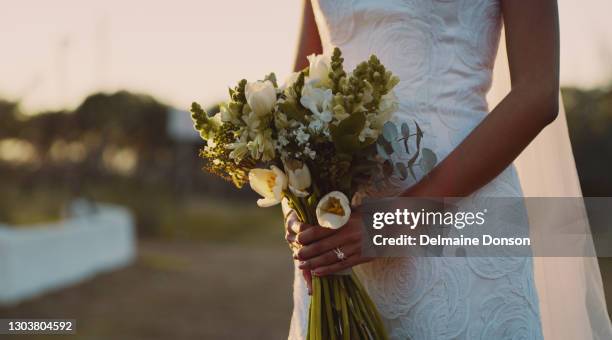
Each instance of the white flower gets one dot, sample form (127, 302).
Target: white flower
(227, 115)
(310, 153)
(301, 135)
(388, 105)
(269, 184)
(281, 121)
(290, 80)
(262, 145)
(282, 141)
(316, 126)
(318, 101)
(299, 177)
(318, 71)
(333, 210)
(239, 149)
(368, 133)
(261, 96)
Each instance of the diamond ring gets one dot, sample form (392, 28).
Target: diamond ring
(339, 254)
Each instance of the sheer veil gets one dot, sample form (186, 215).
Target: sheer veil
(570, 289)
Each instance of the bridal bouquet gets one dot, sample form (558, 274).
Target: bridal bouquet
(314, 142)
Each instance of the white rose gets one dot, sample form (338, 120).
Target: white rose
(333, 210)
(319, 68)
(269, 184)
(261, 96)
(299, 177)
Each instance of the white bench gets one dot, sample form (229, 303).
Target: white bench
(41, 258)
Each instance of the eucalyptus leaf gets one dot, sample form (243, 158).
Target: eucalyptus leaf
(405, 130)
(390, 131)
(396, 146)
(402, 170)
(428, 160)
(386, 147)
(405, 140)
(381, 150)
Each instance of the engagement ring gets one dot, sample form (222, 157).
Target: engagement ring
(340, 254)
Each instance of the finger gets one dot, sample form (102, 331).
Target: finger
(314, 234)
(321, 246)
(308, 278)
(338, 238)
(290, 221)
(330, 257)
(339, 266)
(290, 237)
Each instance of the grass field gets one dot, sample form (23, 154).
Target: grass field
(178, 290)
(207, 269)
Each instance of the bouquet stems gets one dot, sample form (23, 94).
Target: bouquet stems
(340, 307)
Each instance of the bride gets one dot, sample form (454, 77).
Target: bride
(444, 52)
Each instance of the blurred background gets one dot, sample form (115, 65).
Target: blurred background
(105, 215)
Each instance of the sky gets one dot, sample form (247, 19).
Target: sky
(54, 53)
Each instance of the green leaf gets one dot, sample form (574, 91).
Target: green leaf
(346, 135)
(396, 146)
(428, 160)
(405, 130)
(347, 143)
(390, 131)
(380, 149)
(201, 121)
(419, 135)
(386, 147)
(353, 124)
(293, 111)
(272, 78)
(402, 170)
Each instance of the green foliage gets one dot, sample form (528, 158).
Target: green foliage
(337, 74)
(589, 117)
(346, 135)
(203, 124)
(388, 145)
(272, 78)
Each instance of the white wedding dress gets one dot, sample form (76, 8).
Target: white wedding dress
(444, 52)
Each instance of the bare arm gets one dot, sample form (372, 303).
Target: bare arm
(532, 38)
(309, 42)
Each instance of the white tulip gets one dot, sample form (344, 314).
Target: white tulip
(333, 210)
(261, 96)
(269, 184)
(299, 177)
(319, 68)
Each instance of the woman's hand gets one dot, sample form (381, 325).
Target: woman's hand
(293, 226)
(320, 249)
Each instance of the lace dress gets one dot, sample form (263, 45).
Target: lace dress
(443, 51)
